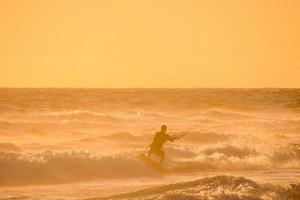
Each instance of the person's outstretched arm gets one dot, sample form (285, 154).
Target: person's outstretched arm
(172, 138)
(175, 137)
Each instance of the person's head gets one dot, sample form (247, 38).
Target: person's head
(163, 128)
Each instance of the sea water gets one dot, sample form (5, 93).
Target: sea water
(83, 143)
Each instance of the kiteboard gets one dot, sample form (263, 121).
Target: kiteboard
(152, 164)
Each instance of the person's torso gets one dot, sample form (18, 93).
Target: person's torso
(159, 140)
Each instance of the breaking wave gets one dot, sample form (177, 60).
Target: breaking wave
(18, 168)
(50, 167)
(214, 188)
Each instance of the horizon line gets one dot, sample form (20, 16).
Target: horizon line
(120, 88)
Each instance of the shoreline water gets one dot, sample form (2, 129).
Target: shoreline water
(122, 187)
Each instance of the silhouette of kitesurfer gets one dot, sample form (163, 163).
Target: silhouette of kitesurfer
(158, 141)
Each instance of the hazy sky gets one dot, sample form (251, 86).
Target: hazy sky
(149, 43)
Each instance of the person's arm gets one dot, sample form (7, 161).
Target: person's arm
(180, 136)
(171, 138)
(175, 137)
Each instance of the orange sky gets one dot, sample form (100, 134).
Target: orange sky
(169, 43)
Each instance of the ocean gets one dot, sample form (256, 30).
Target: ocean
(83, 143)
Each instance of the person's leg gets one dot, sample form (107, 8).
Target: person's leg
(158, 152)
(162, 156)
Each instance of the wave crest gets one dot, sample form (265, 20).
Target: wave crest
(215, 188)
(69, 166)
(45, 167)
